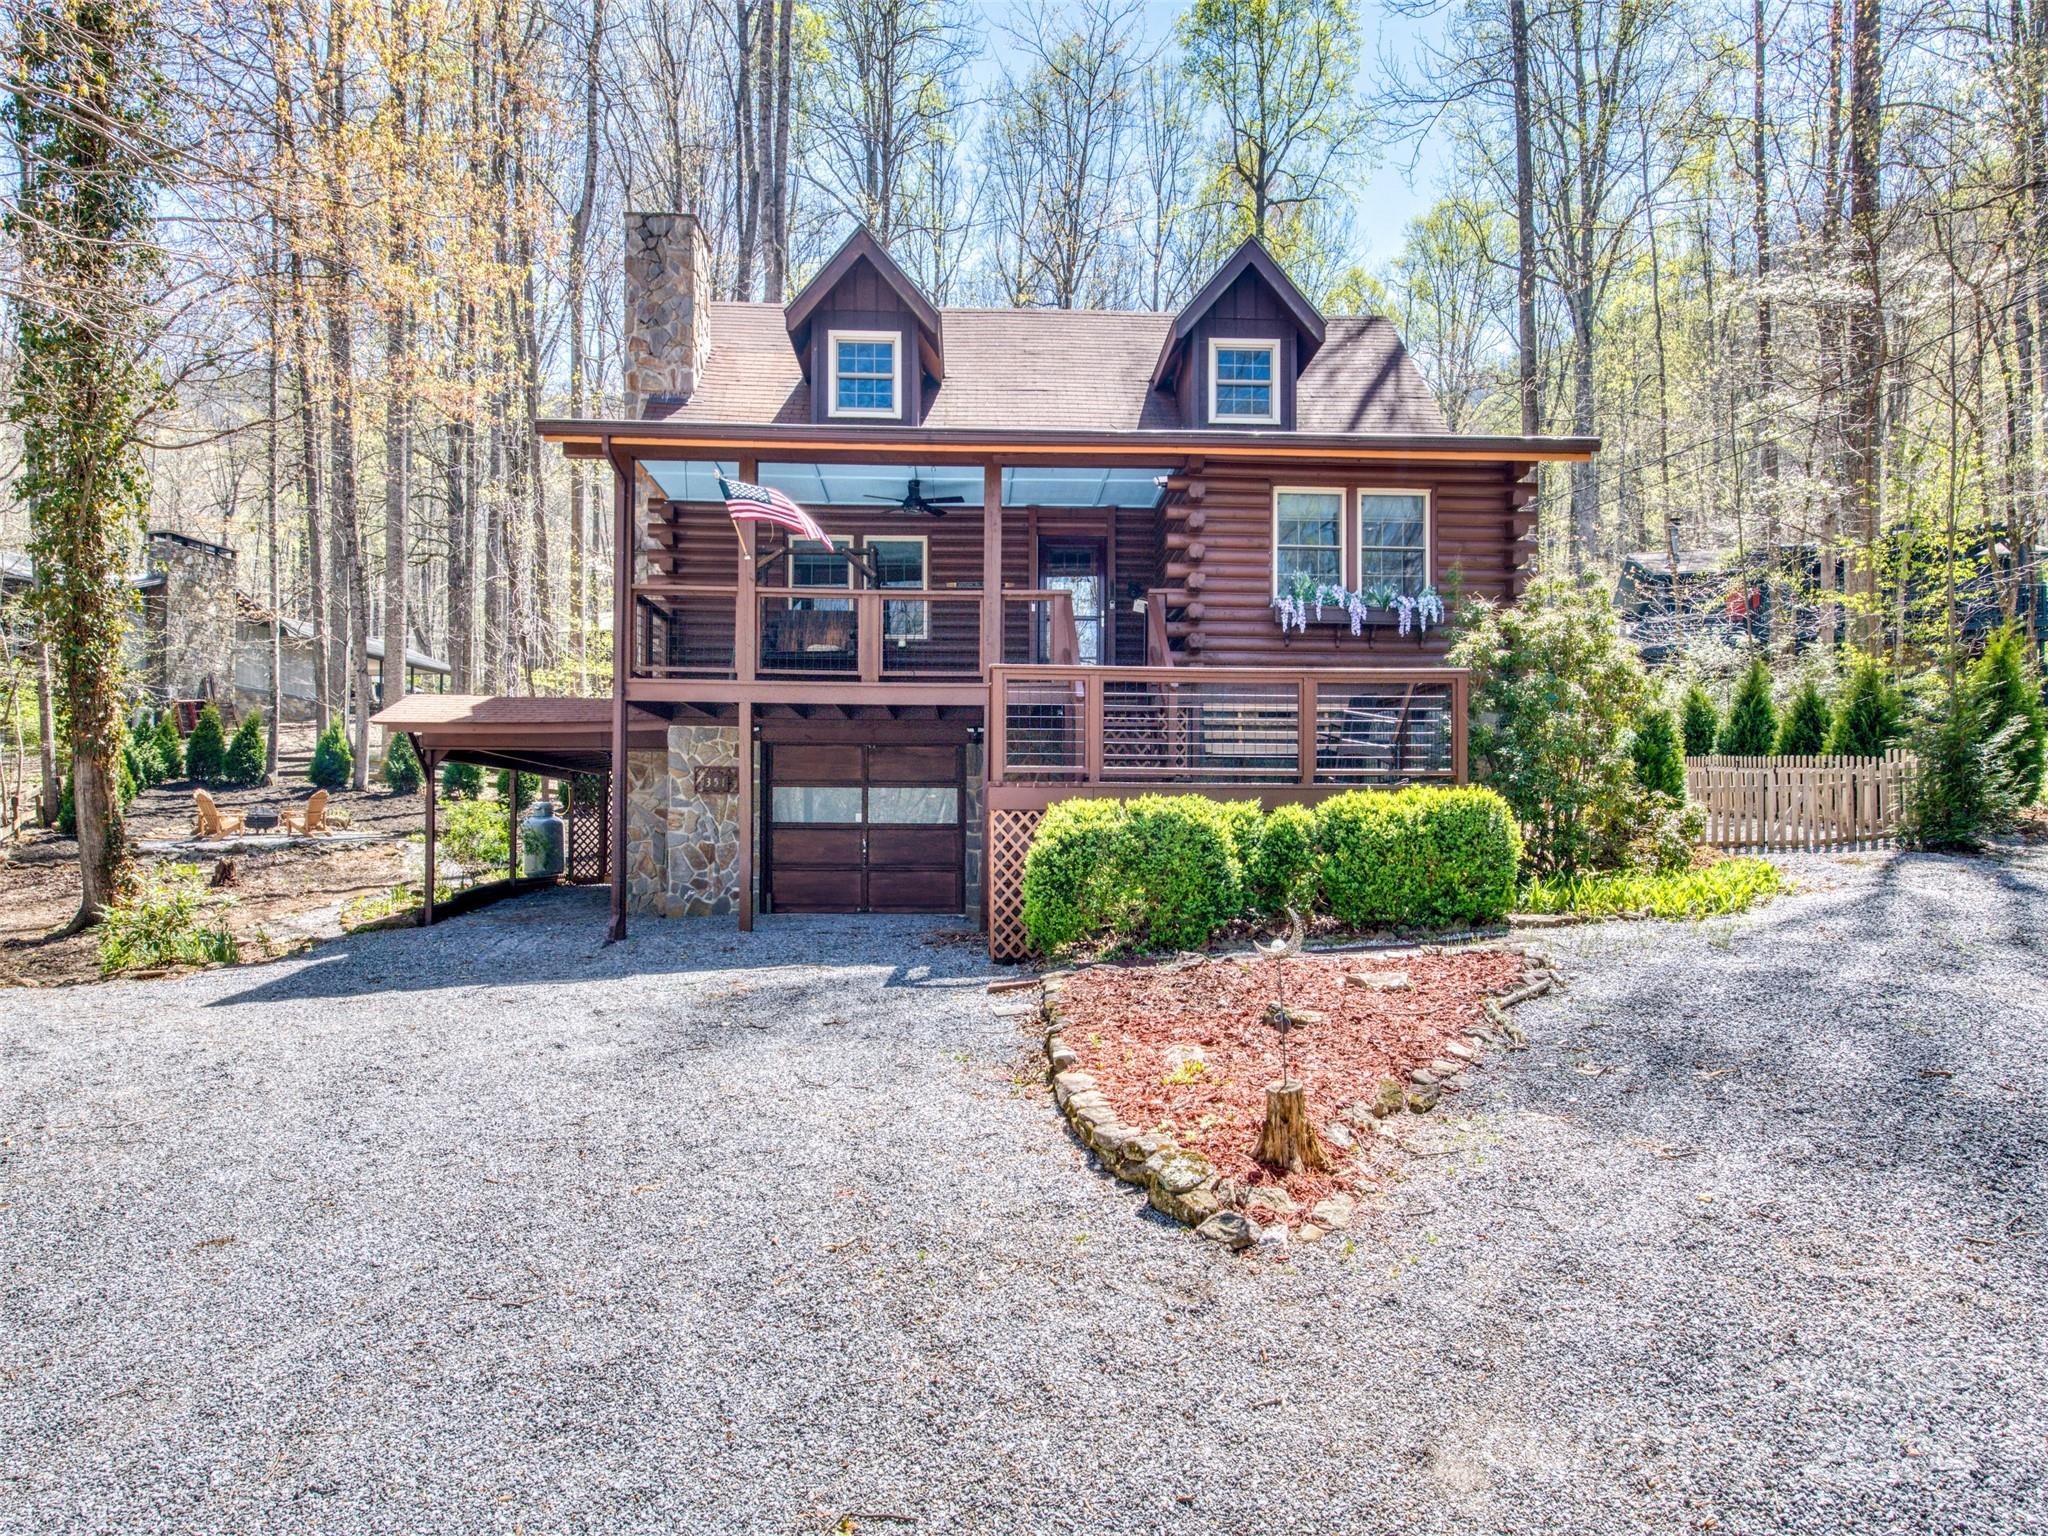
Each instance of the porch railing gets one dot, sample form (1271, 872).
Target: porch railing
(685, 629)
(1215, 725)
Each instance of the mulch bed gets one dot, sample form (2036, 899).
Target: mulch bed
(1139, 1031)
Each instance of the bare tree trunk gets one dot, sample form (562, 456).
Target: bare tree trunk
(747, 170)
(46, 722)
(777, 180)
(1866, 336)
(1830, 328)
(579, 286)
(271, 469)
(319, 608)
(397, 411)
(1525, 222)
(1760, 218)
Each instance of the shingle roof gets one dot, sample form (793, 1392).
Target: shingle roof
(1061, 369)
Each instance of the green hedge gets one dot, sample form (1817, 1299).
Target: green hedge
(1417, 857)
(1169, 871)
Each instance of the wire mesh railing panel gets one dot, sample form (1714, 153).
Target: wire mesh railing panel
(1044, 725)
(1378, 731)
(691, 637)
(930, 637)
(809, 637)
(1212, 732)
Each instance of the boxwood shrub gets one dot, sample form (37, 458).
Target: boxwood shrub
(1280, 869)
(1068, 884)
(1417, 857)
(1176, 871)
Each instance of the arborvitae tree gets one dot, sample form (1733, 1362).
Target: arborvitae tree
(1868, 712)
(86, 128)
(206, 751)
(2005, 689)
(401, 771)
(332, 760)
(1961, 794)
(529, 786)
(1655, 750)
(1698, 722)
(1751, 729)
(1804, 730)
(461, 781)
(247, 754)
(170, 746)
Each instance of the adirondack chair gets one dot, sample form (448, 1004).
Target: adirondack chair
(312, 821)
(210, 820)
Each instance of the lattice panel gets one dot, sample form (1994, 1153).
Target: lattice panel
(590, 835)
(1009, 839)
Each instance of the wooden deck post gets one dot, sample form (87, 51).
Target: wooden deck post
(991, 565)
(746, 786)
(746, 615)
(1305, 730)
(512, 823)
(431, 762)
(622, 666)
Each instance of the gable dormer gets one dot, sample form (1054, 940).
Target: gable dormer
(868, 340)
(1235, 354)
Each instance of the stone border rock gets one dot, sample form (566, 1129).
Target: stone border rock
(1180, 1183)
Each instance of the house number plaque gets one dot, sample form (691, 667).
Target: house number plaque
(716, 780)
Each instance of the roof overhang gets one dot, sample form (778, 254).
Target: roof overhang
(647, 439)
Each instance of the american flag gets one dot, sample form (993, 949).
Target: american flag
(747, 502)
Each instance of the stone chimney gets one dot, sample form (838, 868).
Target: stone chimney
(668, 299)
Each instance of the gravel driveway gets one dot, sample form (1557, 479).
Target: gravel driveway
(494, 1229)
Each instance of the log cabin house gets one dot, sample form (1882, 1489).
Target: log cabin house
(1058, 537)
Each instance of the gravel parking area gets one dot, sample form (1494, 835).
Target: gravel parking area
(491, 1228)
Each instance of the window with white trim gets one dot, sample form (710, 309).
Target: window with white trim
(867, 373)
(1308, 539)
(1393, 540)
(899, 561)
(812, 564)
(1244, 380)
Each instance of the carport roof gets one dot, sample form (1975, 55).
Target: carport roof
(543, 735)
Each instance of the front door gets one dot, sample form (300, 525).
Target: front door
(865, 829)
(1075, 566)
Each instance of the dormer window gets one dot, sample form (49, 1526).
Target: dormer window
(867, 373)
(1243, 383)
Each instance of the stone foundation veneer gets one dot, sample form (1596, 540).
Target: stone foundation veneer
(703, 830)
(683, 848)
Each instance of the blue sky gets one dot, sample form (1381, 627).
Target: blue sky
(1391, 194)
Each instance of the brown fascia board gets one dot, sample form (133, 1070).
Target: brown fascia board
(862, 245)
(1307, 318)
(588, 439)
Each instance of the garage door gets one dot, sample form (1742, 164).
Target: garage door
(865, 829)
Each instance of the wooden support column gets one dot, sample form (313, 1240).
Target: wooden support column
(1461, 724)
(746, 615)
(622, 665)
(1305, 727)
(991, 566)
(431, 762)
(746, 716)
(512, 823)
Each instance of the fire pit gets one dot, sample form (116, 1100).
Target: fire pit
(261, 818)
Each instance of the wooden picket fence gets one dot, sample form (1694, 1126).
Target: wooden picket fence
(1800, 802)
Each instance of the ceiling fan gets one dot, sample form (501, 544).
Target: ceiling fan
(915, 500)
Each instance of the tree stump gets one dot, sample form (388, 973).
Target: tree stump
(224, 874)
(1288, 1139)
